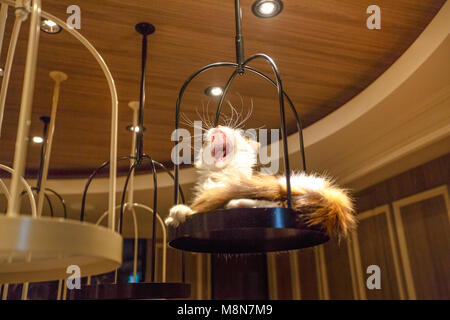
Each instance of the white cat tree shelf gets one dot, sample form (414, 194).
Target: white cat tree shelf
(33, 247)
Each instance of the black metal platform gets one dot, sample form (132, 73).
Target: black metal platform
(131, 291)
(246, 230)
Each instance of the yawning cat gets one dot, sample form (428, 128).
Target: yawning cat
(227, 179)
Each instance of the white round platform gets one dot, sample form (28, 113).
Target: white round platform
(41, 249)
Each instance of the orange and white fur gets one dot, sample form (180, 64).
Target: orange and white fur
(230, 181)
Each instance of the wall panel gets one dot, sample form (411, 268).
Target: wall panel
(423, 228)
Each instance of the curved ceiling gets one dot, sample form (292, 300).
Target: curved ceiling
(323, 49)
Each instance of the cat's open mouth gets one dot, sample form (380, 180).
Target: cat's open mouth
(221, 146)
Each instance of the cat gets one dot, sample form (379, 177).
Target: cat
(228, 179)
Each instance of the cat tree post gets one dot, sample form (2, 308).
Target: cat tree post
(20, 152)
(21, 16)
(57, 77)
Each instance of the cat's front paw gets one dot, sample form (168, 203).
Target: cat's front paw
(178, 215)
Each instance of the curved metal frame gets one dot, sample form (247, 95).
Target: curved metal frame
(56, 194)
(235, 65)
(281, 94)
(136, 161)
(240, 67)
(163, 228)
(28, 190)
(20, 155)
(124, 192)
(41, 190)
(46, 198)
(105, 164)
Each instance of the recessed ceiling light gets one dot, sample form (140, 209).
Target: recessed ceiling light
(38, 139)
(214, 91)
(267, 8)
(50, 26)
(132, 128)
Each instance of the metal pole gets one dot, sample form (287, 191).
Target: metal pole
(134, 105)
(3, 17)
(140, 137)
(20, 153)
(239, 40)
(21, 15)
(145, 29)
(46, 121)
(58, 77)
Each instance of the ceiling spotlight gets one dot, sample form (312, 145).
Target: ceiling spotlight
(214, 91)
(132, 128)
(38, 139)
(267, 8)
(50, 26)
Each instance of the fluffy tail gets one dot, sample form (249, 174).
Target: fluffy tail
(333, 205)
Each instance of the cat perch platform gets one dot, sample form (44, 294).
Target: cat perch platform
(249, 230)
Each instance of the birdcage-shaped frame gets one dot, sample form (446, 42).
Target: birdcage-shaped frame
(137, 290)
(38, 248)
(249, 230)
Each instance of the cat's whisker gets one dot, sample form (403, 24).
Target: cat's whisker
(224, 119)
(188, 122)
(186, 119)
(233, 111)
(249, 113)
(199, 116)
(210, 123)
(205, 118)
(242, 103)
(239, 116)
(231, 115)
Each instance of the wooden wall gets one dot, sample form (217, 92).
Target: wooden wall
(403, 228)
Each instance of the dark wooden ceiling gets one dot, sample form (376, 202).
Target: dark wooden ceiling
(323, 49)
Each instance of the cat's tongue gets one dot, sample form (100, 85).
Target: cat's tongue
(219, 146)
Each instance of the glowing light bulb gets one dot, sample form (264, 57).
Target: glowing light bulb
(214, 91)
(50, 23)
(50, 26)
(38, 139)
(267, 8)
